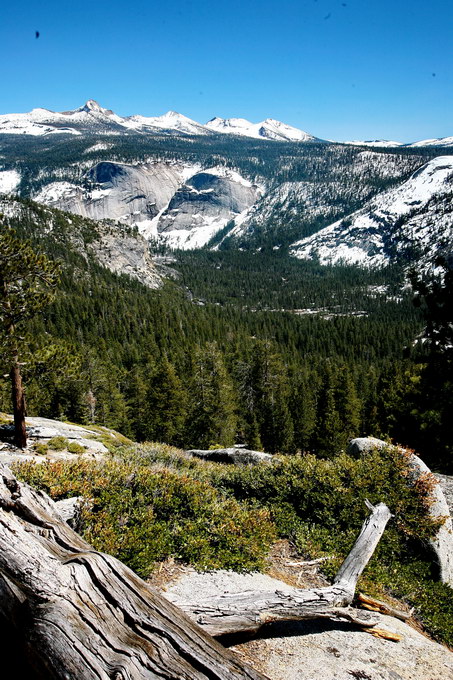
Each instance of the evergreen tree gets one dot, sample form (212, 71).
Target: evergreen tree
(327, 439)
(248, 427)
(272, 389)
(303, 408)
(26, 280)
(348, 405)
(164, 411)
(432, 406)
(212, 411)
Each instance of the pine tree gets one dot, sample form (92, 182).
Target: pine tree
(272, 389)
(164, 411)
(303, 409)
(327, 439)
(348, 405)
(26, 282)
(248, 427)
(212, 412)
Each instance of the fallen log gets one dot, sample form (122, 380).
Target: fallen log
(78, 614)
(248, 611)
(382, 607)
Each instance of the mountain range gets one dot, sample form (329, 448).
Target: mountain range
(182, 185)
(91, 118)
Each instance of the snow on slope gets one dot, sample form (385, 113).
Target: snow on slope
(9, 179)
(40, 122)
(377, 143)
(169, 121)
(268, 129)
(444, 141)
(205, 203)
(385, 143)
(415, 217)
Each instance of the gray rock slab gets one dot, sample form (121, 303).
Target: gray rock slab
(233, 455)
(321, 650)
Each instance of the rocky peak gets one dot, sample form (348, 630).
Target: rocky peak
(91, 106)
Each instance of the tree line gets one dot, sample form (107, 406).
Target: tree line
(164, 365)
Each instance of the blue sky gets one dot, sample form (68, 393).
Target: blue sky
(348, 69)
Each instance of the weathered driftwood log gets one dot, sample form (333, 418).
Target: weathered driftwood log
(82, 615)
(233, 455)
(234, 613)
(442, 543)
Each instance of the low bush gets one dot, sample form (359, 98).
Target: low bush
(40, 448)
(75, 447)
(157, 501)
(58, 443)
(141, 516)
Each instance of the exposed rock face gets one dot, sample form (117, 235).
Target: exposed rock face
(116, 191)
(204, 204)
(442, 544)
(320, 650)
(182, 204)
(117, 247)
(125, 253)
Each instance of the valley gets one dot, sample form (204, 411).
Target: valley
(279, 270)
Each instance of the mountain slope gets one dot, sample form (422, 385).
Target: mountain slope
(267, 129)
(412, 222)
(338, 180)
(116, 247)
(91, 118)
(180, 204)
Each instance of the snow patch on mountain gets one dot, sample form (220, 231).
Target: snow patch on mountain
(169, 121)
(9, 180)
(267, 129)
(99, 146)
(413, 220)
(204, 204)
(444, 141)
(378, 143)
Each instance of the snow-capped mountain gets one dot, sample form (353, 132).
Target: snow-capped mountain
(443, 141)
(184, 184)
(376, 143)
(169, 121)
(267, 129)
(91, 118)
(412, 222)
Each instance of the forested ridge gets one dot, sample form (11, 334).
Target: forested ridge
(209, 358)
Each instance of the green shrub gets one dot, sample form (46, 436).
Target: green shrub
(74, 447)
(158, 502)
(141, 516)
(40, 448)
(58, 443)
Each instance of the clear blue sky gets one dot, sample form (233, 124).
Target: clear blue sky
(347, 69)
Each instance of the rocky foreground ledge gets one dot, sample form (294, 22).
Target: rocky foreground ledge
(320, 650)
(54, 440)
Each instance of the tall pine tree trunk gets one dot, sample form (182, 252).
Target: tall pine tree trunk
(19, 409)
